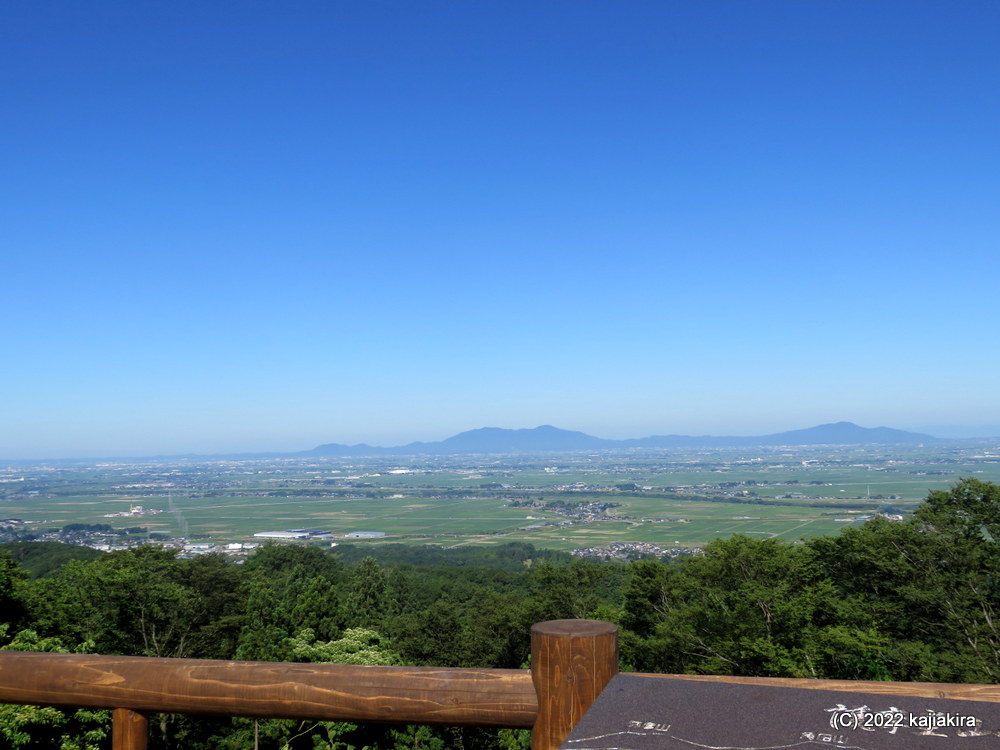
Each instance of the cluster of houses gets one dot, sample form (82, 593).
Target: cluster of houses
(102, 537)
(134, 510)
(633, 551)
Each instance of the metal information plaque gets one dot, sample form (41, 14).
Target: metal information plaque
(636, 713)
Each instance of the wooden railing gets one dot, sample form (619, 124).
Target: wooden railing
(571, 662)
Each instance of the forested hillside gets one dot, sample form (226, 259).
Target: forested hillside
(912, 600)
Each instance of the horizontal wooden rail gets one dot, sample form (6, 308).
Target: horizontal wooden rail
(572, 662)
(409, 695)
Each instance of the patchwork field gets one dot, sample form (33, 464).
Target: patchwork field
(671, 499)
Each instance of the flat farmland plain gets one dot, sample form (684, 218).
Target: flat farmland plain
(563, 501)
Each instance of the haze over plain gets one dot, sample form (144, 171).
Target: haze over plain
(238, 227)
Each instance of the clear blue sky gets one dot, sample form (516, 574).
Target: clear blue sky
(232, 226)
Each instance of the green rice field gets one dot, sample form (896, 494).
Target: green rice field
(668, 499)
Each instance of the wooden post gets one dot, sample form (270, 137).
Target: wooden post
(129, 730)
(571, 662)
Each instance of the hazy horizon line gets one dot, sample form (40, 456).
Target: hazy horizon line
(943, 432)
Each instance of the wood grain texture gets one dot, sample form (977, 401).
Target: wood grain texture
(571, 662)
(411, 695)
(130, 730)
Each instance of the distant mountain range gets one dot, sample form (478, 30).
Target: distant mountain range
(547, 439)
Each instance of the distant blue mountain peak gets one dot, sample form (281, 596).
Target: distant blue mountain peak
(546, 438)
